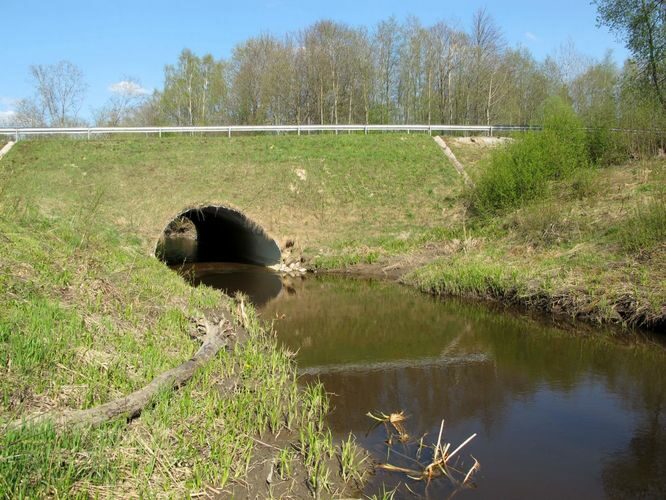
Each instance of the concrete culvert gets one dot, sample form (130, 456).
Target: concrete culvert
(216, 234)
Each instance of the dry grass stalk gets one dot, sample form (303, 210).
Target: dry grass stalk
(441, 465)
(396, 420)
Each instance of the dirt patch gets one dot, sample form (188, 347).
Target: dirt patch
(5, 147)
(270, 475)
(481, 141)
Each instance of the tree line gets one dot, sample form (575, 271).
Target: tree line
(396, 72)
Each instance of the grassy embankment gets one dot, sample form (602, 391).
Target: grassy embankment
(589, 243)
(318, 190)
(591, 248)
(88, 316)
(555, 226)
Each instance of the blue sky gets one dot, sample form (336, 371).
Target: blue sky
(110, 40)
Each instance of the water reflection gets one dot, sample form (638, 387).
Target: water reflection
(557, 414)
(260, 284)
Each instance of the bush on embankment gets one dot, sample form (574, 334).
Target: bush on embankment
(521, 171)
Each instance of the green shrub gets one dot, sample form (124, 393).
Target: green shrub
(521, 171)
(606, 147)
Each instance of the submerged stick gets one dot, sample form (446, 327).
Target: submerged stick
(472, 470)
(460, 447)
(131, 405)
(438, 447)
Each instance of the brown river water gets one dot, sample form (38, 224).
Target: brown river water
(558, 413)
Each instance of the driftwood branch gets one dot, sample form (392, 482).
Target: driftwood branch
(131, 405)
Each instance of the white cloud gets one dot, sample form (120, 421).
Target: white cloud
(128, 87)
(531, 36)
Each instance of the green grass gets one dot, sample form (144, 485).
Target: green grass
(646, 226)
(85, 304)
(315, 189)
(351, 459)
(464, 277)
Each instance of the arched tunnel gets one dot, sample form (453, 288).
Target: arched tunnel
(216, 234)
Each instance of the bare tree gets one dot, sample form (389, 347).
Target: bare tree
(487, 46)
(128, 95)
(403, 72)
(28, 114)
(60, 91)
(386, 42)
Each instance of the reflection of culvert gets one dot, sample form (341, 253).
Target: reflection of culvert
(259, 284)
(216, 234)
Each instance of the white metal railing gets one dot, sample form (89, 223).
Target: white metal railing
(89, 132)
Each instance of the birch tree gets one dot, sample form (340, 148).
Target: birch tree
(386, 43)
(195, 90)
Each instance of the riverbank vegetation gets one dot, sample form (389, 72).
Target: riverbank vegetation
(592, 249)
(88, 317)
(558, 229)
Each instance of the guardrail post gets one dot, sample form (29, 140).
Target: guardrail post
(17, 135)
(159, 132)
(298, 129)
(88, 134)
(430, 130)
(229, 132)
(491, 131)
(365, 129)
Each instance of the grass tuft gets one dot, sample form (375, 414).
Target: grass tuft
(646, 227)
(464, 277)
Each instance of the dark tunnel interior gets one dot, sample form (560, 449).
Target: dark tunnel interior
(216, 234)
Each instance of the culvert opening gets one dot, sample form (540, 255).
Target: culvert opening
(216, 234)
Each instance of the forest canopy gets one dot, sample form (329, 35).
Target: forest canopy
(394, 72)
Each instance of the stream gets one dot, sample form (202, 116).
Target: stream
(557, 413)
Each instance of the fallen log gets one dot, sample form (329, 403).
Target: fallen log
(215, 338)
